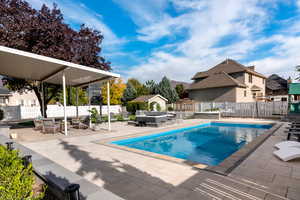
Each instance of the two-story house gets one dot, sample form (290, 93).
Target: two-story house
(228, 81)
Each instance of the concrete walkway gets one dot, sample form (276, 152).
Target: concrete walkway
(134, 176)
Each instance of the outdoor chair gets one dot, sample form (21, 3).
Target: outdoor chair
(49, 126)
(287, 144)
(76, 123)
(38, 124)
(288, 153)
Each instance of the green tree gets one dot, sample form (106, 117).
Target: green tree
(44, 32)
(129, 94)
(164, 89)
(140, 88)
(152, 86)
(181, 91)
(71, 95)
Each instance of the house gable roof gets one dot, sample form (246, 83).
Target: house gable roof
(4, 91)
(216, 80)
(146, 98)
(229, 66)
(275, 82)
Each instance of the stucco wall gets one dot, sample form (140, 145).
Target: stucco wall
(227, 94)
(160, 101)
(258, 81)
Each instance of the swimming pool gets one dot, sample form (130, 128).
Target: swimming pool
(208, 143)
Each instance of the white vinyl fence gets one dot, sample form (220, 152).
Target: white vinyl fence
(15, 113)
(251, 109)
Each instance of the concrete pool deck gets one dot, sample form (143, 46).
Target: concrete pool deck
(134, 176)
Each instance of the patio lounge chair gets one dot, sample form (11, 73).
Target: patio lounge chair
(49, 126)
(287, 154)
(287, 144)
(293, 133)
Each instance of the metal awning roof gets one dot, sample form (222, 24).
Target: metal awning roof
(294, 88)
(20, 64)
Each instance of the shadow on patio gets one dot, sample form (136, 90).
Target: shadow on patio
(131, 183)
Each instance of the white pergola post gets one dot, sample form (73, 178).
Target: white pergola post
(77, 112)
(43, 100)
(108, 105)
(65, 104)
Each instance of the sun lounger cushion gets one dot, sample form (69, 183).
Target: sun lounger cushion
(287, 144)
(287, 154)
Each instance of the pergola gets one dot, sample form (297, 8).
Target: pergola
(23, 65)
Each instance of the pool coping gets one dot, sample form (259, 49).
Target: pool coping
(224, 168)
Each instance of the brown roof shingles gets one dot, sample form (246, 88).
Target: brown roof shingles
(216, 80)
(229, 66)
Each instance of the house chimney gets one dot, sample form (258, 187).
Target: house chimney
(289, 80)
(252, 68)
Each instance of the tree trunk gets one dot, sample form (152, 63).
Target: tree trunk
(39, 97)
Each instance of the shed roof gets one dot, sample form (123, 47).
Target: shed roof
(24, 65)
(146, 98)
(294, 88)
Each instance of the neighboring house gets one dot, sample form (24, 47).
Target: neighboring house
(26, 98)
(228, 81)
(276, 88)
(4, 96)
(153, 98)
(8, 98)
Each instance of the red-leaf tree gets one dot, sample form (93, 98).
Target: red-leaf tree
(44, 32)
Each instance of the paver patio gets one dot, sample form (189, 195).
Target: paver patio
(134, 176)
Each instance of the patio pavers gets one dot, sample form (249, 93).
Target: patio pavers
(133, 176)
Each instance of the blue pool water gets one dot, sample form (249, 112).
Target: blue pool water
(208, 143)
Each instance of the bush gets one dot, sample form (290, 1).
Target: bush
(95, 117)
(170, 108)
(16, 180)
(158, 108)
(133, 106)
(132, 117)
(1, 114)
(120, 118)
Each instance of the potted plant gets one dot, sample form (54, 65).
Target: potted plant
(95, 119)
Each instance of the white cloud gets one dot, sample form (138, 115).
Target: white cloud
(205, 23)
(80, 14)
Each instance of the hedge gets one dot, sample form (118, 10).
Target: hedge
(133, 106)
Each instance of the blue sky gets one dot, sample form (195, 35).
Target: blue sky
(147, 39)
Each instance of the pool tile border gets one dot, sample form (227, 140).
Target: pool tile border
(223, 168)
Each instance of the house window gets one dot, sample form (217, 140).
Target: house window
(250, 78)
(22, 102)
(263, 81)
(283, 99)
(254, 95)
(245, 93)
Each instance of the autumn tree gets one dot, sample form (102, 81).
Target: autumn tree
(44, 32)
(117, 88)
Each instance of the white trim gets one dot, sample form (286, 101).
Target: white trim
(158, 95)
(56, 61)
